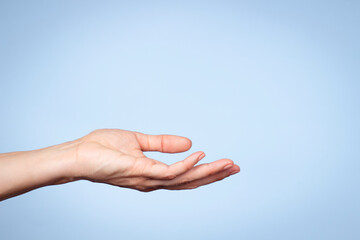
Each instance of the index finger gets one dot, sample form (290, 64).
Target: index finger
(163, 171)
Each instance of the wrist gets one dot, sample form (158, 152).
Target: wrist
(61, 162)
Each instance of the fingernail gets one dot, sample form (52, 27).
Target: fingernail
(201, 156)
(233, 172)
(228, 166)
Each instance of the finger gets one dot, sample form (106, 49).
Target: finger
(207, 180)
(198, 172)
(163, 171)
(163, 143)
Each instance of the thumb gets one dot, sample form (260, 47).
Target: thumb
(163, 143)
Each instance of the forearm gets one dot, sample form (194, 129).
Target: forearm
(21, 172)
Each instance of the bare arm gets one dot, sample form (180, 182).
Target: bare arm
(111, 156)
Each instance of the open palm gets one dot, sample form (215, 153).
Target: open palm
(116, 157)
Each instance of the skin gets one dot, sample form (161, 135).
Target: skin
(111, 156)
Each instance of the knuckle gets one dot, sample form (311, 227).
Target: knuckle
(143, 187)
(169, 176)
(140, 184)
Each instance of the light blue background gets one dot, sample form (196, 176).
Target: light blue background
(273, 85)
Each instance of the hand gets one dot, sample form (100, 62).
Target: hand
(116, 157)
(110, 156)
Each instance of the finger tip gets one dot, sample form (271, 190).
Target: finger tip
(236, 167)
(201, 155)
(234, 170)
(195, 157)
(228, 161)
(178, 144)
(188, 143)
(185, 143)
